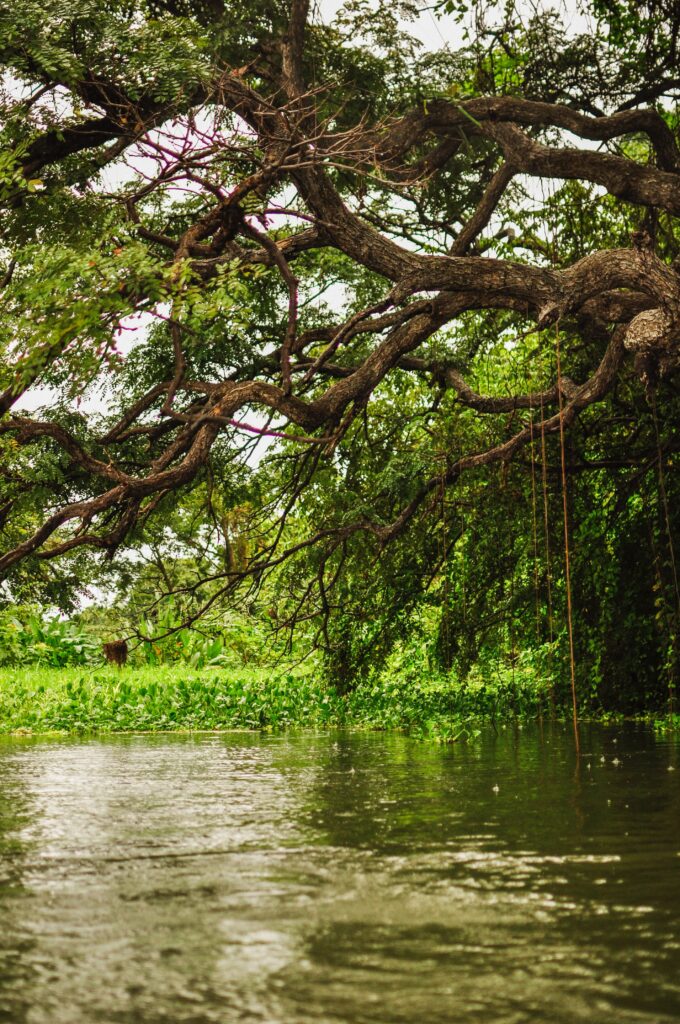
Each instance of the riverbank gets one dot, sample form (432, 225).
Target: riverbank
(104, 700)
(171, 698)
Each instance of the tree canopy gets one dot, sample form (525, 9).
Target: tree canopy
(299, 302)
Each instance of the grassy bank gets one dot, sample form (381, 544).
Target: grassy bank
(42, 700)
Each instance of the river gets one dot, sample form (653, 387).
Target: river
(341, 878)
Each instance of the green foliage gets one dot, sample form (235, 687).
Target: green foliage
(67, 41)
(163, 699)
(158, 700)
(27, 638)
(238, 639)
(475, 587)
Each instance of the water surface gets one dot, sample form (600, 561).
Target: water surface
(340, 878)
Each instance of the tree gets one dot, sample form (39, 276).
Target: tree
(321, 236)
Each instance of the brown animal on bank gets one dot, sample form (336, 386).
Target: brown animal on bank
(116, 652)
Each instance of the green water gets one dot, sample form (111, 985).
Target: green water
(359, 878)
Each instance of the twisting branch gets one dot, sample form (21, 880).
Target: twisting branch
(482, 215)
(269, 173)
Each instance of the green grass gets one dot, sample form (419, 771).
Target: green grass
(83, 700)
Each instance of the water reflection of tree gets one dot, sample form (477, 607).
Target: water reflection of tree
(521, 789)
(391, 792)
(436, 871)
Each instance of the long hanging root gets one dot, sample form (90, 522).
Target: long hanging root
(548, 571)
(567, 565)
(534, 528)
(671, 547)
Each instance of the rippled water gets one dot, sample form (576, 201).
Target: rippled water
(354, 878)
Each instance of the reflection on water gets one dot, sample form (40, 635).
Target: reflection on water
(340, 879)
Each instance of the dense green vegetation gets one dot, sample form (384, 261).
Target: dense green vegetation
(35, 701)
(105, 700)
(324, 348)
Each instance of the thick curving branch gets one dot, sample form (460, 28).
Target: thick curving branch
(628, 299)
